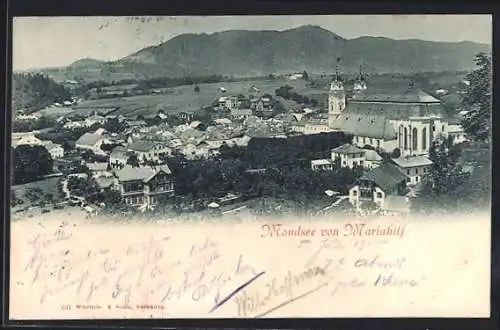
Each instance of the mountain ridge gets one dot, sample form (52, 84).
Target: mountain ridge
(311, 48)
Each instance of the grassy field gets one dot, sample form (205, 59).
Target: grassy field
(48, 186)
(185, 99)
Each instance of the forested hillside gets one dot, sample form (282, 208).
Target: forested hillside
(33, 91)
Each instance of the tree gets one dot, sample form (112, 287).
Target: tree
(109, 146)
(445, 177)
(477, 100)
(305, 75)
(197, 89)
(396, 153)
(31, 163)
(32, 92)
(133, 161)
(86, 187)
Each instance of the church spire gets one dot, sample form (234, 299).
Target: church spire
(360, 84)
(361, 76)
(337, 75)
(337, 84)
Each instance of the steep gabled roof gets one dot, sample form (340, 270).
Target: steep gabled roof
(144, 174)
(411, 94)
(88, 139)
(348, 149)
(386, 176)
(372, 155)
(363, 125)
(142, 146)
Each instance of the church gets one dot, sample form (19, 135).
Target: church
(408, 119)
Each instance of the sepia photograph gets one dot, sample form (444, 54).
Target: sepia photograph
(251, 166)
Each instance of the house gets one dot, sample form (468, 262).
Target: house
(74, 124)
(228, 102)
(55, 150)
(185, 116)
(241, 113)
(262, 104)
(456, 132)
(414, 167)
(149, 150)
(223, 121)
(92, 142)
(349, 155)
(145, 186)
(162, 116)
(93, 120)
(119, 157)
(28, 117)
(322, 165)
(98, 169)
(378, 183)
(25, 139)
(190, 151)
(296, 76)
(135, 123)
(372, 159)
(101, 131)
(314, 127)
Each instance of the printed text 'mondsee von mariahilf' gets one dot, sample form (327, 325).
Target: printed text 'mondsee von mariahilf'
(347, 230)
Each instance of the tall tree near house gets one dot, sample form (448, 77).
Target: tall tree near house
(31, 163)
(446, 175)
(133, 161)
(477, 100)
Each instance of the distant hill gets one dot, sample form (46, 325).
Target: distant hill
(256, 53)
(87, 63)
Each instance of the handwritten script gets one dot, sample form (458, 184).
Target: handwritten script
(150, 272)
(190, 271)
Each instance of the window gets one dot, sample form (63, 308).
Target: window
(414, 139)
(424, 138)
(364, 140)
(416, 171)
(371, 141)
(433, 128)
(401, 137)
(354, 193)
(408, 172)
(405, 138)
(378, 143)
(408, 180)
(379, 195)
(442, 128)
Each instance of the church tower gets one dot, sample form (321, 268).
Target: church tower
(336, 97)
(360, 83)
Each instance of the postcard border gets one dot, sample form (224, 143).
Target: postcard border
(157, 7)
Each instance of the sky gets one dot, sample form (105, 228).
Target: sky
(40, 42)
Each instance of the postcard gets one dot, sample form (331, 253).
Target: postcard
(251, 167)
